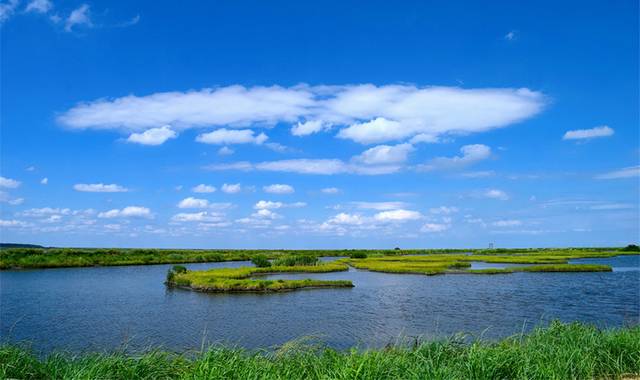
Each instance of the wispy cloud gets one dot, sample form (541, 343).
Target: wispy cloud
(153, 136)
(630, 172)
(470, 155)
(99, 188)
(78, 17)
(584, 134)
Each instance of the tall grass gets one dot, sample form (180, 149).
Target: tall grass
(560, 351)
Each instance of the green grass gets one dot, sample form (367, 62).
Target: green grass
(454, 263)
(559, 351)
(83, 257)
(239, 279)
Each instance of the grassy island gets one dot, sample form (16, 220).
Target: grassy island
(559, 351)
(241, 279)
(454, 263)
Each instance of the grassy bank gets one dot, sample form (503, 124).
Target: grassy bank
(239, 279)
(80, 257)
(560, 351)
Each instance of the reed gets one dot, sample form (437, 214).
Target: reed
(558, 351)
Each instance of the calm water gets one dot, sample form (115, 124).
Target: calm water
(105, 308)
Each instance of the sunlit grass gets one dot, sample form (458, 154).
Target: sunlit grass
(560, 351)
(238, 279)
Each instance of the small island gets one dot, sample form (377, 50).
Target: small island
(243, 279)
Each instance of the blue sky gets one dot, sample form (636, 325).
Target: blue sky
(319, 125)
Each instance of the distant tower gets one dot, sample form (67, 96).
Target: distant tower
(490, 245)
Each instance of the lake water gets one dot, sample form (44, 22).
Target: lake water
(88, 309)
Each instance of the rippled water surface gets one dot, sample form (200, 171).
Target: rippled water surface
(104, 308)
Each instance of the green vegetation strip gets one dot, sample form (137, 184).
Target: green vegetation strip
(238, 279)
(560, 351)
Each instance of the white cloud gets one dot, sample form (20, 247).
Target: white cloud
(380, 206)
(153, 136)
(348, 219)
(434, 227)
(192, 202)
(39, 6)
(267, 205)
(201, 216)
(231, 136)
(309, 127)
(265, 213)
(424, 138)
(494, 194)
(279, 189)
(478, 174)
(13, 223)
(470, 155)
(45, 211)
(368, 113)
(100, 188)
(630, 172)
(231, 188)
(506, 223)
(385, 154)
(44, 181)
(127, 212)
(270, 205)
(443, 210)
(581, 134)
(397, 215)
(79, 16)
(330, 190)
(133, 21)
(375, 131)
(6, 198)
(511, 36)
(225, 151)
(7, 9)
(308, 166)
(9, 183)
(202, 188)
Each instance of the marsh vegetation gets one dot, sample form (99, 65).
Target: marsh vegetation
(559, 351)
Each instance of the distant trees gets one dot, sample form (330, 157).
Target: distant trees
(631, 248)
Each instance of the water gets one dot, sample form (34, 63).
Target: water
(88, 309)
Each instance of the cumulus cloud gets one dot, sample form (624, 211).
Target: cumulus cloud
(385, 154)
(270, 205)
(202, 216)
(153, 136)
(44, 181)
(309, 127)
(231, 136)
(399, 215)
(39, 6)
(9, 183)
(308, 166)
(13, 223)
(45, 211)
(202, 188)
(435, 227)
(192, 202)
(367, 113)
(279, 189)
(443, 210)
(470, 155)
(346, 219)
(79, 16)
(6, 198)
(630, 172)
(494, 194)
(127, 212)
(582, 134)
(231, 188)
(380, 206)
(506, 223)
(100, 188)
